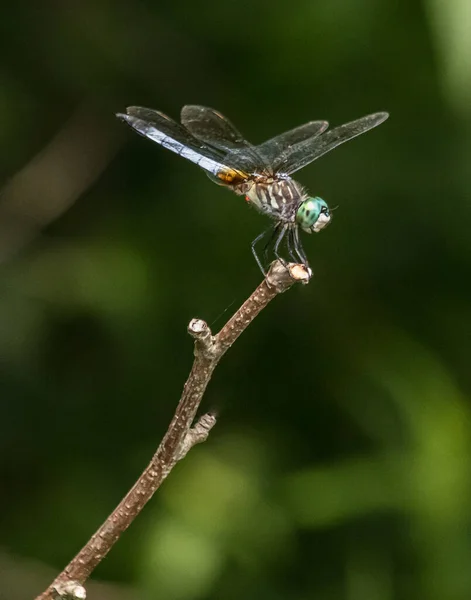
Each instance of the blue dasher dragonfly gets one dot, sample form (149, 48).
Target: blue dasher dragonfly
(260, 173)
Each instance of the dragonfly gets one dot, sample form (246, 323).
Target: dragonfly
(260, 173)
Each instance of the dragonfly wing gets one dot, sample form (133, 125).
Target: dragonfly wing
(171, 135)
(305, 152)
(214, 129)
(278, 148)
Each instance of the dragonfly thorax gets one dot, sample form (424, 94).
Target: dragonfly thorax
(278, 198)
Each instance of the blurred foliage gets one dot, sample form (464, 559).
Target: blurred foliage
(340, 467)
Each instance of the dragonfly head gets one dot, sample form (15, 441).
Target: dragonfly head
(313, 214)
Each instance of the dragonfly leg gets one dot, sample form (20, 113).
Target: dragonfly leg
(299, 247)
(290, 243)
(270, 240)
(254, 252)
(278, 241)
(279, 231)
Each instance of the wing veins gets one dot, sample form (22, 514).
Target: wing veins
(214, 129)
(306, 152)
(159, 128)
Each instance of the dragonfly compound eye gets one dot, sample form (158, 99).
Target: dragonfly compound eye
(313, 214)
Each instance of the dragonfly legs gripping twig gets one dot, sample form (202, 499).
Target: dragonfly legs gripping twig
(293, 243)
(270, 240)
(290, 244)
(254, 252)
(298, 247)
(279, 239)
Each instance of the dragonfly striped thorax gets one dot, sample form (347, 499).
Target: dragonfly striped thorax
(278, 197)
(260, 173)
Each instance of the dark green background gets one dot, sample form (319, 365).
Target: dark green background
(340, 467)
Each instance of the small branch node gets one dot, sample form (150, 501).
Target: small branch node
(197, 434)
(70, 590)
(199, 329)
(201, 333)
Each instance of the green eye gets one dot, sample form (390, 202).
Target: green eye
(309, 213)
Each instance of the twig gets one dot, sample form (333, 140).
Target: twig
(180, 436)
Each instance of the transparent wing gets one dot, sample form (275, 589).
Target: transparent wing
(305, 152)
(171, 135)
(214, 129)
(277, 149)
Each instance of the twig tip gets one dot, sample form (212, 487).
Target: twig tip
(281, 276)
(300, 272)
(198, 327)
(201, 333)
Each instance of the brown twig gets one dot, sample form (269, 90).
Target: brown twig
(180, 436)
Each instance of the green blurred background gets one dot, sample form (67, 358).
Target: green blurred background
(340, 467)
